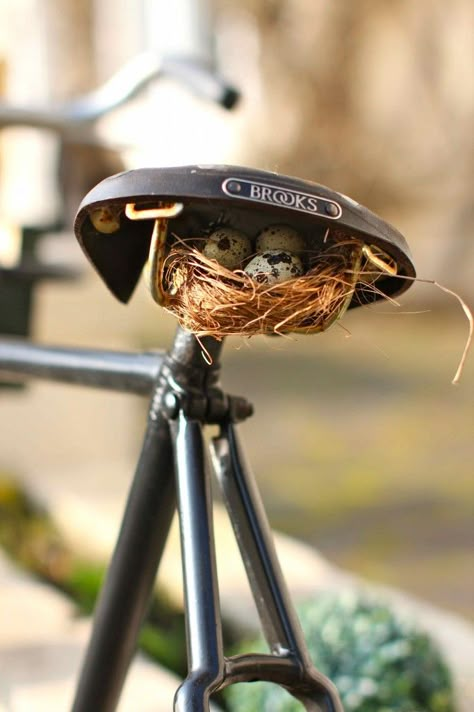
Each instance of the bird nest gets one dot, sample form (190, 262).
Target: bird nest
(209, 299)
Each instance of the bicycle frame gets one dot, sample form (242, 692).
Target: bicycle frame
(185, 394)
(171, 472)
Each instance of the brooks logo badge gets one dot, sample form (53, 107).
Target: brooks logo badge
(282, 197)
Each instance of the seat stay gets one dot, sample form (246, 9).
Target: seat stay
(279, 621)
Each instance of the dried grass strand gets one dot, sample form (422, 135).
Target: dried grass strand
(467, 311)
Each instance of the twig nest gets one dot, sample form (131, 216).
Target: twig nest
(228, 246)
(275, 291)
(279, 237)
(274, 267)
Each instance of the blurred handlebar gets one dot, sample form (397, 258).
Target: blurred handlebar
(74, 120)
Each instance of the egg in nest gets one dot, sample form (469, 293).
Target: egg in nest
(274, 267)
(228, 246)
(280, 237)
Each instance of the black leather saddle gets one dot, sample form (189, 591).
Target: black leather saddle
(245, 198)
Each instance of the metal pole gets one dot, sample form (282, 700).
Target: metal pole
(203, 621)
(280, 624)
(126, 372)
(130, 578)
(148, 514)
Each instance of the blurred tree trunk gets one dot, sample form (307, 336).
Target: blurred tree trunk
(374, 98)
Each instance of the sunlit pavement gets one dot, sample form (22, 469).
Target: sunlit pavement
(41, 646)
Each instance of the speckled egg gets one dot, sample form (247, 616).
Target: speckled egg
(274, 266)
(280, 237)
(228, 246)
(106, 220)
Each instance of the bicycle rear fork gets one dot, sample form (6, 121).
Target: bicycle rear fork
(172, 471)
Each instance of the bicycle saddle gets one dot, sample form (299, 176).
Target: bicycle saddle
(246, 198)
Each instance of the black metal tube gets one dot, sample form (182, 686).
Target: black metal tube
(258, 666)
(130, 578)
(203, 624)
(148, 515)
(280, 624)
(113, 370)
(196, 360)
(252, 531)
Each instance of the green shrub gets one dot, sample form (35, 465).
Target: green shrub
(378, 662)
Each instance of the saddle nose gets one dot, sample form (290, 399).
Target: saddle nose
(247, 199)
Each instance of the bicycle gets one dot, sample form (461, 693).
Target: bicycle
(185, 396)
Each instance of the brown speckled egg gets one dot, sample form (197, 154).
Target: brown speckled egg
(106, 220)
(274, 266)
(280, 237)
(228, 246)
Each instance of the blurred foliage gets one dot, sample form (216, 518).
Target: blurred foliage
(378, 662)
(30, 538)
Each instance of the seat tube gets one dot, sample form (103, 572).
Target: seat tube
(203, 622)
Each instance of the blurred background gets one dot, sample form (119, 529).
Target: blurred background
(361, 445)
